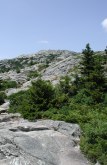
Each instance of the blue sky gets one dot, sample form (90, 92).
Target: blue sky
(27, 26)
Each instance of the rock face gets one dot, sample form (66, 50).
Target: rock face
(43, 142)
(51, 64)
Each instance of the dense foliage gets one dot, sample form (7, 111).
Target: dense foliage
(82, 100)
(33, 74)
(15, 64)
(2, 97)
(5, 84)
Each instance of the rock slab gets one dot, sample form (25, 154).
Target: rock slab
(43, 142)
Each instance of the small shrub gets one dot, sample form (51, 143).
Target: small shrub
(17, 70)
(84, 97)
(5, 84)
(2, 97)
(42, 67)
(33, 74)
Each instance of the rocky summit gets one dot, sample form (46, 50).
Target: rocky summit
(50, 64)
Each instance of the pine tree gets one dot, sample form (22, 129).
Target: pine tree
(41, 94)
(106, 50)
(92, 75)
(87, 63)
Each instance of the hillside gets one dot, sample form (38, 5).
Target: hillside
(50, 65)
(41, 135)
(68, 97)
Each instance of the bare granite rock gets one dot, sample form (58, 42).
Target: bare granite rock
(4, 107)
(43, 142)
(59, 63)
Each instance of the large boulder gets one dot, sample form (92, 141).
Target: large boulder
(43, 142)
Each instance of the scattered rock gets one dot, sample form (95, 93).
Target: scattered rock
(5, 105)
(97, 163)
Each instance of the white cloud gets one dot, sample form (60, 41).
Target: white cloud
(43, 42)
(104, 24)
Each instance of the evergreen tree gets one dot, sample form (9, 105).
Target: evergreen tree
(66, 86)
(41, 94)
(92, 75)
(87, 63)
(2, 94)
(106, 50)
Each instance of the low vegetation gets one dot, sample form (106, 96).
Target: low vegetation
(5, 84)
(81, 100)
(2, 97)
(33, 74)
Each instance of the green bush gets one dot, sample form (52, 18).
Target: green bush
(42, 67)
(17, 70)
(60, 100)
(2, 97)
(66, 86)
(42, 94)
(32, 102)
(84, 97)
(33, 74)
(94, 140)
(5, 84)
